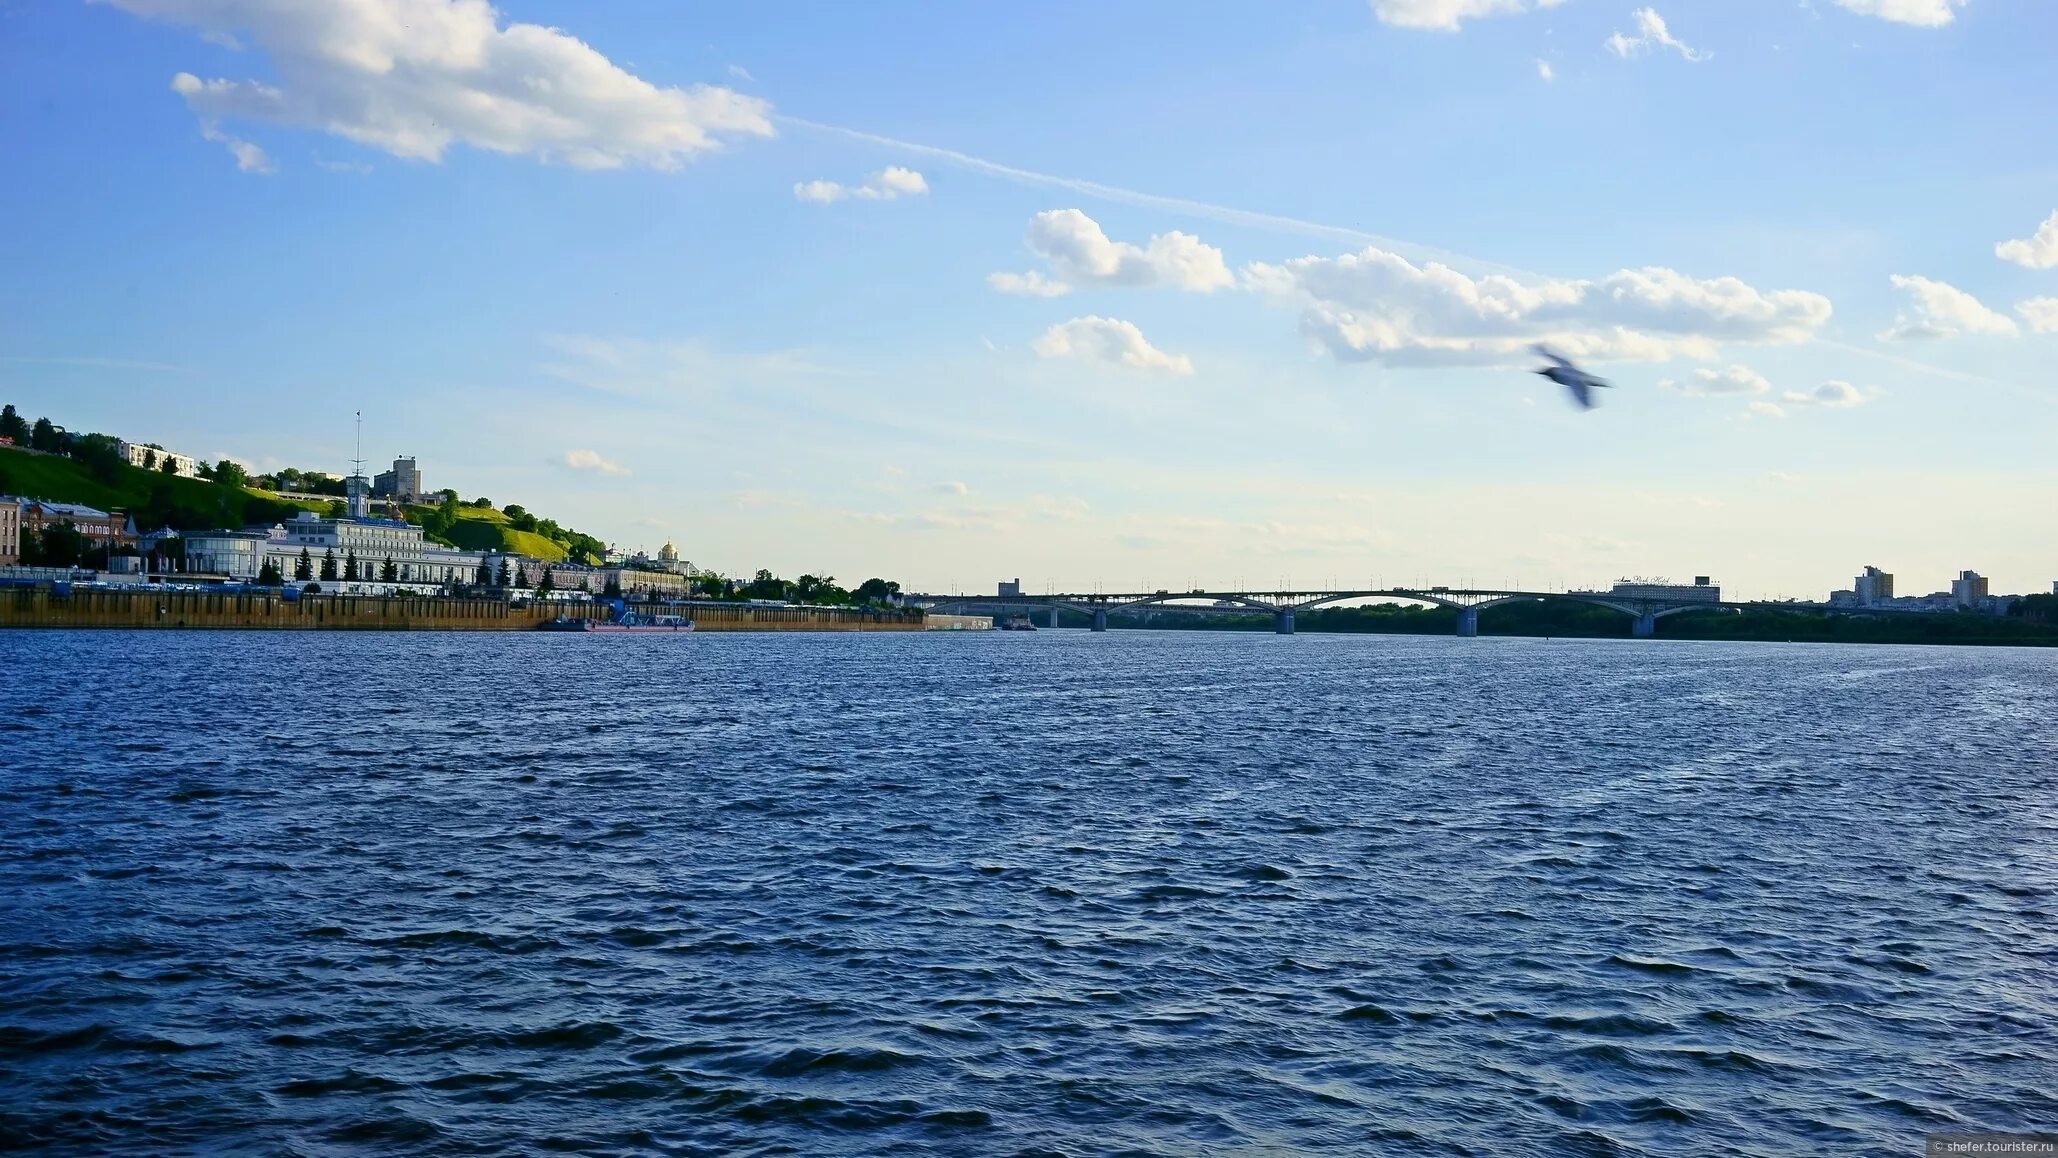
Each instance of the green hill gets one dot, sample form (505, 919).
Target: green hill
(153, 498)
(156, 500)
(487, 530)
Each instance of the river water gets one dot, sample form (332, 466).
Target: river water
(1049, 893)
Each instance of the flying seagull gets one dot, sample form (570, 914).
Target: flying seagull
(1569, 376)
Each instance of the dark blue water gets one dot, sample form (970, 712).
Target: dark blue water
(1021, 894)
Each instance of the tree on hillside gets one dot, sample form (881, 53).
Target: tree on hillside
(485, 577)
(13, 426)
(43, 436)
(99, 454)
(521, 575)
(513, 510)
(268, 575)
(329, 565)
(303, 569)
(168, 466)
(483, 503)
(230, 474)
(149, 460)
(500, 578)
(547, 584)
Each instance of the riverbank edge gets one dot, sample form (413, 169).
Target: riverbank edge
(269, 611)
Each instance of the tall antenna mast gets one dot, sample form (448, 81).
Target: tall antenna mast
(355, 487)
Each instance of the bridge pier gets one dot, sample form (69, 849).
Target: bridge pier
(1645, 627)
(1100, 619)
(1468, 622)
(1282, 623)
(1053, 617)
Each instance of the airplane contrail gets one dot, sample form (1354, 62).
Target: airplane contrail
(1227, 214)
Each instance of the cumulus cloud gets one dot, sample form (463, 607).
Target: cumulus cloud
(1651, 32)
(1446, 15)
(1082, 254)
(591, 460)
(1378, 306)
(413, 77)
(1029, 285)
(1921, 13)
(1834, 395)
(2040, 313)
(249, 157)
(2038, 251)
(1763, 410)
(1545, 72)
(888, 184)
(952, 488)
(1098, 339)
(1732, 380)
(1938, 310)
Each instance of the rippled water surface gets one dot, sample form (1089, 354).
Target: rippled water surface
(1021, 894)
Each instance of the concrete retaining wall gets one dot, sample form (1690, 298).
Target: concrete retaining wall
(26, 607)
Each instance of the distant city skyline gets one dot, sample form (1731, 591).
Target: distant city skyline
(947, 295)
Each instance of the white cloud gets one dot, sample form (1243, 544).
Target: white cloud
(741, 73)
(1651, 32)
(1377, 306)
(413, 77)
(1835, 395)
(888, 184)
(1545, 71)
(952, 488)
(1082, 254)
(1029, 285)
(1445, 15)
(1763, 410)
(1733, 380)
(1938, 310)
(2040, 313)
(249, 158)
(1921, 13)
(591, 460)
(2039, 251)
(1101, 339)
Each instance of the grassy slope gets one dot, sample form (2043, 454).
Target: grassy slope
(65, 480)
(480, 529)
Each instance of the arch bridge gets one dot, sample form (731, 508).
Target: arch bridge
(1644, 611)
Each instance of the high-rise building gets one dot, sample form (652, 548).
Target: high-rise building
(1010, 589)
(1874, 587)
(1969, 589)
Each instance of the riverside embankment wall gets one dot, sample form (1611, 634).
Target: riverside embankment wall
(266, 610)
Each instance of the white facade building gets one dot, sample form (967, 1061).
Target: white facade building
(370, 542)
(154, 458)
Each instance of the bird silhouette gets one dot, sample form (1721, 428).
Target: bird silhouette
(1571, 377)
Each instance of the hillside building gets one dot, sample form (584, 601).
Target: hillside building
(148, 456)
(402, 484)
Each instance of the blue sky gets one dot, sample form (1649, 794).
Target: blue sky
(725, 274)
